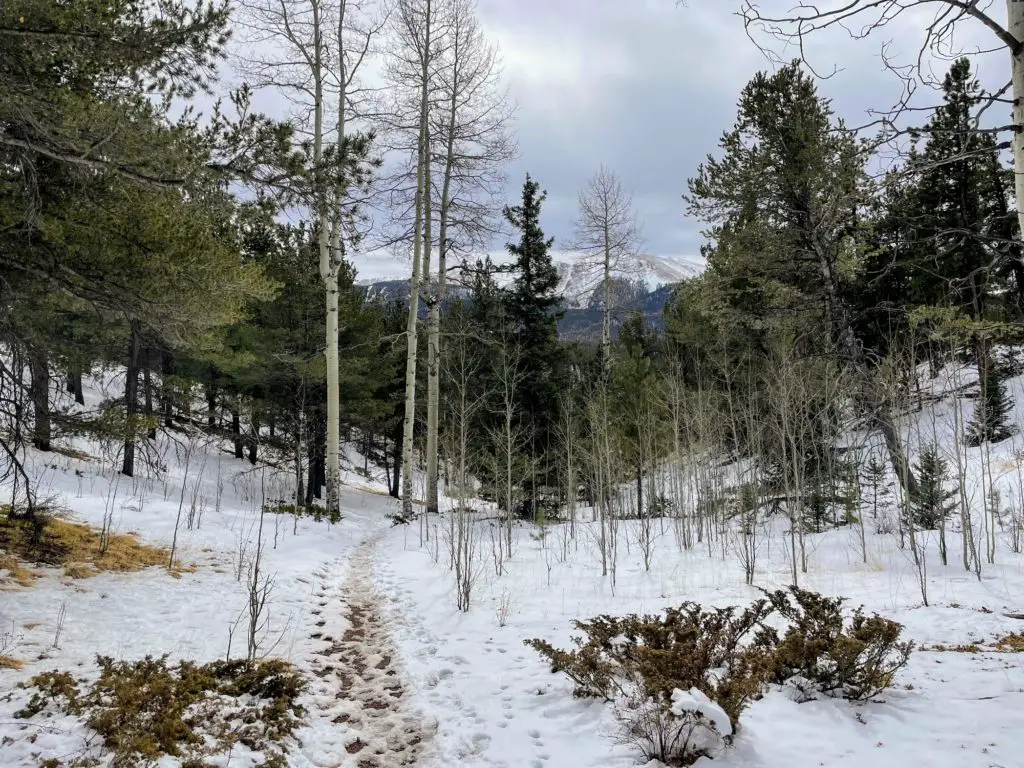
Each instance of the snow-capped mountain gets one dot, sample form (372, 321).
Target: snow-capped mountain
(579, 278)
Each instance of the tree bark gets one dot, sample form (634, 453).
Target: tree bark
(75, 385)
(39, 392)
(236, 430)
(166, 390)
(131, 397)
(211, 404)
(147, 392)
(254, 439)
(1015, 26)
(422, 192)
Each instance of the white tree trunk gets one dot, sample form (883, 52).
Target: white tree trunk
(422, 190)
(328, 271)
(606, 319)
(332, 459)
(434, 316)
(1015, 25)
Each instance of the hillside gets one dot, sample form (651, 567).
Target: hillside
(397, 675)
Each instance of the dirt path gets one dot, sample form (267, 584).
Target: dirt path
(370, 689)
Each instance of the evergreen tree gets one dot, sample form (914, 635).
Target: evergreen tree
(875, 473)
(933, 503)
(533, 310)
(993, 410)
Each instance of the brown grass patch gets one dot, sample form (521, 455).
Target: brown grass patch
(1011, 644)
(8, 662)
(16, 573)
(74, 547)
(969, 648)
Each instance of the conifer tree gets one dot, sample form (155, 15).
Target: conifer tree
(933, 502)
(533, 309)
(875, 473)
(993, 410)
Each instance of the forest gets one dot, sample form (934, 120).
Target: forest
(178, 283)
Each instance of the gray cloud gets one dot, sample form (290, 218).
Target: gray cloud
(647, 87)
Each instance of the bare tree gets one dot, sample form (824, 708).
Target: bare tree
(415, 54)
(310, 52)
(861, 18)
(472, 131)
(511, 437)
(608, 235)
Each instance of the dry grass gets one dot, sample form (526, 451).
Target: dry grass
(8, 662)
(124, 552)
(971, 648)
(16, 573)
(74, 547)
(1011, 644)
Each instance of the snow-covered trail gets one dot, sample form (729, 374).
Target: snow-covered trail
(370, 689)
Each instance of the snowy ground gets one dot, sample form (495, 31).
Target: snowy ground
(400, 677)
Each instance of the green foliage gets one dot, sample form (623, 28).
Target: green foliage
(532, 308)
(144, 710)
(934, 502)
(993, 412)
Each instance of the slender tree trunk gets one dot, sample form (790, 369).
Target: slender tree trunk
(211, 404)
(606, 316)
(422, 192)
(166, 389)
(395, 489)
(434, 314)
(1015, 26)
(254, 439)
(236, 430)
(131, 397)
(39, 392)
(147, 392)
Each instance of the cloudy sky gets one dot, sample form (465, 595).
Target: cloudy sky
(647, 87)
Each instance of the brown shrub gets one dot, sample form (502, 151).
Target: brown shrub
(145, 709)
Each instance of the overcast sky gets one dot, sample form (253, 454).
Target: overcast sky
(647, 87)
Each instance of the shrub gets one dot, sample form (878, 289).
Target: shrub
(680, 681)
(145, 709)
(643, 662)
(821, 651)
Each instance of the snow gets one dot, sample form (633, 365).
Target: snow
(462, 688)
(695, 702)
(577, 281)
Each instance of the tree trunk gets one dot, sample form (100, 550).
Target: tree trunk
(434, 314)
(395, 489)
(422, 192)
(211, 405)
(75, 385)
(39, 392)
(236, 430)
(147, 392)
(1015, 26)
(639, 490)
(606, 315)
(254, 439)
(166, 390)
(131, 397)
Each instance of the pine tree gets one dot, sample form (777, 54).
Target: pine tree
(991, 419)
(533, 310)
(933, 503)
(875, 473)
